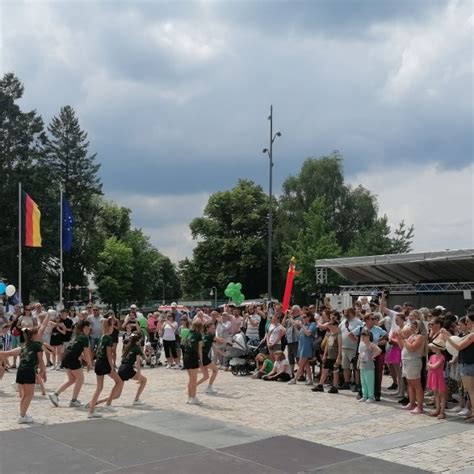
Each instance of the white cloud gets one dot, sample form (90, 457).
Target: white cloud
(437, 201)
(422, 61)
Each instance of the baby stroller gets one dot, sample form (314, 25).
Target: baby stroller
(242, 355)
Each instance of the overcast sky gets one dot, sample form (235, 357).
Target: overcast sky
(175, 97)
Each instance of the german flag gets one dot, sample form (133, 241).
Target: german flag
(31, 217)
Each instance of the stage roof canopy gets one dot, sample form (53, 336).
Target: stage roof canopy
(446, 266)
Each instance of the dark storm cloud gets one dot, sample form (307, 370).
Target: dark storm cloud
(175, 95)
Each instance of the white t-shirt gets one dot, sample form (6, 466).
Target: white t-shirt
(274, 331)
(347, 342)
(282, 366)
(169, 331)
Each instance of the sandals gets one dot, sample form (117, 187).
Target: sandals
(441, 416)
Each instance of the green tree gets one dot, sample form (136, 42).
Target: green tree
(231, 236)
(70, 165)
(190, 278)
(315, 240)
(22, 142)
(115, 220)
(114, 272)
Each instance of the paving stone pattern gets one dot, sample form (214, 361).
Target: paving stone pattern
(245, 411)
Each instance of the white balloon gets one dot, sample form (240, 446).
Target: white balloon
(10, 290)
(450, 348)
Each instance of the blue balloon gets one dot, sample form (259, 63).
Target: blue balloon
(2, 288)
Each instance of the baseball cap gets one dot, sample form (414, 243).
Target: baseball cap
(442, 308)
(133, 306)
(173, 304)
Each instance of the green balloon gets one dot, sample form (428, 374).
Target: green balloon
(238, 286)
(228, 292)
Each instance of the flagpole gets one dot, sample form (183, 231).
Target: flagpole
(61, 248)
(19, 243)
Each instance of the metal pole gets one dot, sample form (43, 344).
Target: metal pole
(163, 282)
(270, 213)
(19, 242)
(61, 306)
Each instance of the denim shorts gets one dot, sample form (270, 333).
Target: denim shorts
(15, 342)
(466, 370)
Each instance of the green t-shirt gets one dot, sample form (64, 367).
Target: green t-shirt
(207, 341)
(78, 345)
(132, 355)
(184, 332)
(143, 323)
(29, 355)
(267, 366)
(191, 343)
(105, 341)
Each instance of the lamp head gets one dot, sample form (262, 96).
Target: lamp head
(265, 150)
(278, 134)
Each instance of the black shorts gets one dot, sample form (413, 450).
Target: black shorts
(190, 362)
(71, 363)
(26, 376)
(329, 364)
(102, 367)
(115, 337)
(126, 372)
(206, 361)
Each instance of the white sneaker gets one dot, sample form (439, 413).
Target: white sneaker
(168, 366)
(464, 412)
(210, 390)
(177, 367)
(54, 399)
(188, 401)
(292, 382)
(370, 400)
(25, 419)
(138, 403)
(74, 404)
(109, 408)
(94, 415)
(195, 401)
(454, 410)
(309, 382)
(362, 400)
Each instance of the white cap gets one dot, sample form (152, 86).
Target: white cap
(173, 304)
(133, 306)
(442, 308)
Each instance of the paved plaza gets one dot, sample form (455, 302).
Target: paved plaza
(250, 426)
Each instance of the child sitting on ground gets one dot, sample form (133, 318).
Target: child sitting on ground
(264, 366)
(281, 371)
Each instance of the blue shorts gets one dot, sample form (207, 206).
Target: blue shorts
(466, 370)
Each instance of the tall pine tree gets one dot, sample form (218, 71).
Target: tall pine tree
(72, 166)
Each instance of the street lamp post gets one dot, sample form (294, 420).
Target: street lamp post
(269, 151)
(163, 283)
(213, 292)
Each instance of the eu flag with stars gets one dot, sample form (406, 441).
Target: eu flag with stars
(68, 225)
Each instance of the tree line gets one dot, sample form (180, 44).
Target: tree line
(121, 260)
(317, 215)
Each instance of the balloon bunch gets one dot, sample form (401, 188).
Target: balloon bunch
(9, 290)
(233, 292)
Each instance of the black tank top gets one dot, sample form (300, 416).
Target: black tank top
(466, 355)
